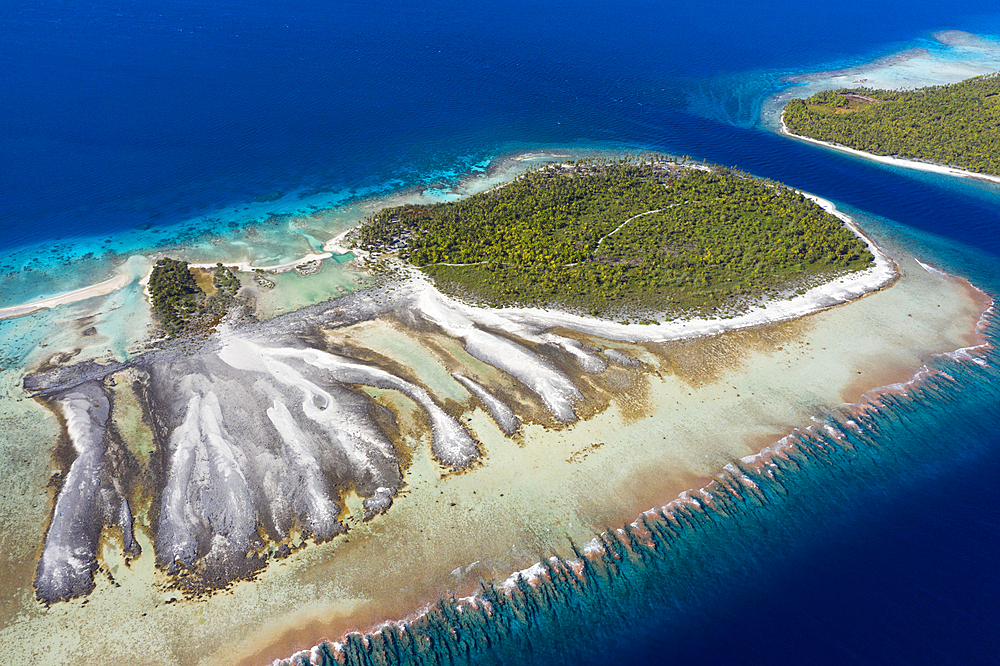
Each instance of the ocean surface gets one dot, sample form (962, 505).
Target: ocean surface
(130, 128)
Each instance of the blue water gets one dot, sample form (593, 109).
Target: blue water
(127, 126)
(119, 116)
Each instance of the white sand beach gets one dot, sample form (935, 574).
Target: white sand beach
(894, 161)
(525, 321)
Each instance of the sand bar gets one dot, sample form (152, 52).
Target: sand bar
(99, 289)
(248, 267)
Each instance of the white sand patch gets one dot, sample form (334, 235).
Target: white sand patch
(205, 486)
(321, 512)
(458, 320)
(501, 413)
(355, 435)
(451, 443)
(248, 267)
(68, 557)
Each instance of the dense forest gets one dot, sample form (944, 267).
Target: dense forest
(181, 305)
(955, 125)
(622, 237)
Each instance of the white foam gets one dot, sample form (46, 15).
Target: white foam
(930, 269)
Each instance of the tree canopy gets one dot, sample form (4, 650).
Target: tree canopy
(954, 125)
(180, 304)
(624, 236)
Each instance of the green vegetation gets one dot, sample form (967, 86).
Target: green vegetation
(226, 285)
(955, 125)
(181, 305)
(628, 237)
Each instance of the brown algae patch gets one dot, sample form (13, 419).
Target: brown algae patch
(203, 278)
(704, 360)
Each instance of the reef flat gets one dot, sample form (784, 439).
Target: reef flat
(257, 432)
(671, 558)
(493, 435)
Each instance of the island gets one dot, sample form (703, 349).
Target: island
(951, 126)
(626, 238)
(260, 483)
(231, 405)
(183, 302)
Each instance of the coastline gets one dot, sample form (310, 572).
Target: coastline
(892, 161)
(135, 268)
(837, 291)
(802, 466)
(502, 168)
(949, 57)
(884, 371)
(673, 430)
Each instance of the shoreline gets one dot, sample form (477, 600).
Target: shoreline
(834, 292)
(539, 488)
(930, 167)
(889, 379)
(500, 164)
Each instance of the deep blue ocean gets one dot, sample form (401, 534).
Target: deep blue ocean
(133, 117)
